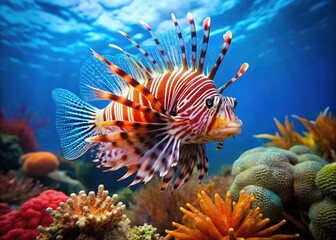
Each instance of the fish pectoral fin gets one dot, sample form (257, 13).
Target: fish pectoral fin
(143, 152)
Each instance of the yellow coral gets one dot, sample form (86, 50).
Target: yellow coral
(84, 215)
(320, 135)
(225, 220)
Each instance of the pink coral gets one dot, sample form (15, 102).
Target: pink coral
(23, 222)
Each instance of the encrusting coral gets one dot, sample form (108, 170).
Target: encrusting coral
(15, 191)
(225, 220)
(84, 216)
(320, 135)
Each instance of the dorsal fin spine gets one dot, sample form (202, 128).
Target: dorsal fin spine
(206, 27)
(193, 41)
(158, 44)
(134, 83)
(181, 40)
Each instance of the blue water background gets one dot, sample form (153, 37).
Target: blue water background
(289, 45)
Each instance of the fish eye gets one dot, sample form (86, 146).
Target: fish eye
(209, 103)
(235, 103)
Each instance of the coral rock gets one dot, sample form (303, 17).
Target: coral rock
(326, 180)
(39, 163)
(222, 220)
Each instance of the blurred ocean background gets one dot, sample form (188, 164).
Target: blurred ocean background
(289, 45)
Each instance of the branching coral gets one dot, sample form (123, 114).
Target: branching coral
(16, 191)
(225, 220)
(320, 135)
(83, 215)
(145, 206)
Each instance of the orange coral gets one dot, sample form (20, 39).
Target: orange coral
(225, 220)
(39, 163)
(321, 135)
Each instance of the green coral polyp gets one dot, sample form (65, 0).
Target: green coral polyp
(326, 180)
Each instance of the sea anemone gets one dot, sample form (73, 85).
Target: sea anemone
(225, 220)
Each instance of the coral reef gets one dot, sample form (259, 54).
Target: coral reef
(144, 207)
(320, 135)
(15, 191)
(23, 125)
(144, 232)
(39, 163)
(65, 182)
(221, 219)
(323, 219)
(10, 152)
(23, 223)
(269, 168)
(91, 216)
(268, 201)
(305, 189)
(299, 177)
(84, 215)
(326, 180)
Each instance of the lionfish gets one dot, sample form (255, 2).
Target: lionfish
(164, 107)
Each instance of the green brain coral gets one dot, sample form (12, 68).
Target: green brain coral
(326, 180)
(305, 189)
(323, 219)
(270, 168)
(268, 201)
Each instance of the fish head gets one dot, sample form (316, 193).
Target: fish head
(222, 121)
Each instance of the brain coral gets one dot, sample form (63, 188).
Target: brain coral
(323, 219)
(326, 180)
(22, 223)
(224, 220)
(85, 216)
(39, 163)
(270, 168)
(305, 189)
(268, 201)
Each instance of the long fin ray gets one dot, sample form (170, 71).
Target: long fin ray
(75, 121)
(134, 83)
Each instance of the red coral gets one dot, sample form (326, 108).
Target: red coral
(22, 125)
(23, 222)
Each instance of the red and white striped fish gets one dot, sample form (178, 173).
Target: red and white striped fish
(164, 107)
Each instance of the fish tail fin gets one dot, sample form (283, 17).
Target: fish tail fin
(75, 122)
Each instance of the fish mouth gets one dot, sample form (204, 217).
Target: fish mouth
(224, 132)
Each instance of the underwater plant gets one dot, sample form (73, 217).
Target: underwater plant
(223, 219)
(320, 135)
(15, 190)
(144, 206)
